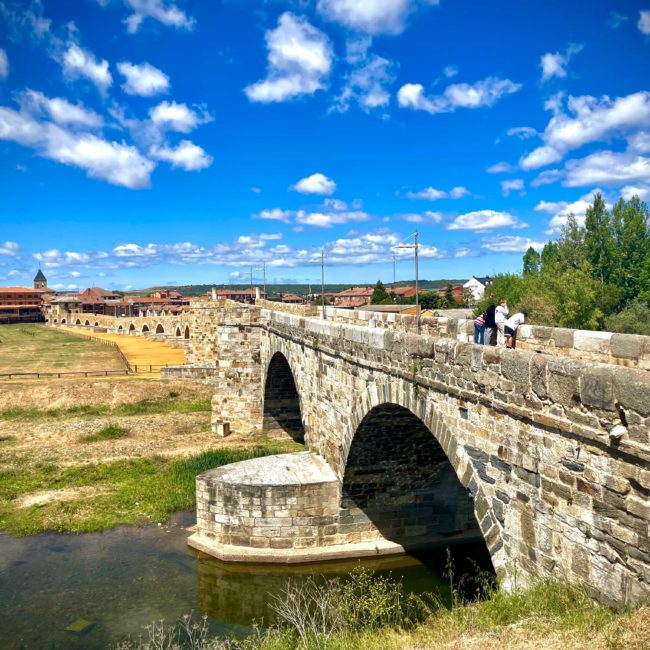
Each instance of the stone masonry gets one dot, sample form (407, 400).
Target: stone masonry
(546, 454)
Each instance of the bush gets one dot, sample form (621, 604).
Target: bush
(634, 319)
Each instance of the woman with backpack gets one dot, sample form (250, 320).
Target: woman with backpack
(479, 329)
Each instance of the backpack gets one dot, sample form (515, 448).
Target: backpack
(480, 320)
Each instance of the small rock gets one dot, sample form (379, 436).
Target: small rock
(617, 432)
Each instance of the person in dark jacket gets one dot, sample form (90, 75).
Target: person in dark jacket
(490, 324)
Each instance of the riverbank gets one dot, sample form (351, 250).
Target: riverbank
(81, 456)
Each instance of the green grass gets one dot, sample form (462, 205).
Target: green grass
(143, 407)
(36, 348)
(109, 432)
(137, 491)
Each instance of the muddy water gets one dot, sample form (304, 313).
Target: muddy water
(121, 580)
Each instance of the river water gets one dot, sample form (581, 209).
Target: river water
(119, 581)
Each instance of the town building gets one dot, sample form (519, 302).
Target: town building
(475, 287)
(25, 305)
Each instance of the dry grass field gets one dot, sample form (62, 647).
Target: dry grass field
(36, 348)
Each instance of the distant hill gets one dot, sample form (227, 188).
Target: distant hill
(299, 289)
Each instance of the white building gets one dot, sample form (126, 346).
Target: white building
(476, 287)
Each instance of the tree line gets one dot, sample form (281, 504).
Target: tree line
(595, 276)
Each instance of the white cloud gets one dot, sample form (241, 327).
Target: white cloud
(4, 64)
(499, 168)
(117, 163)
(371, 16)
(554, 65)
(522, 132)
(511, 244)
(315, 184)
(561, 210)
(483, 93)
(485, 220)
(143, 79)
(515, 184)
(644, 22)
(629, 191)
(276, 214)
(639, 142)
(300, 60)
(592, 120)
(431, 194)
(9, 248)
(327, 220)
(366, 85)
(616, 19)
(186, 155)
(60, 110)
(425, 217)
(451, 71)
(171, 116)
(607, 168)
(78, 62)
(161, 11)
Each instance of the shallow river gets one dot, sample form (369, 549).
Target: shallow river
(121, 580)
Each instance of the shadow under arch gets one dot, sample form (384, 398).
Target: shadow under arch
(178, 333)
(78, 321)
(145, 328)
(393, 418)
(87, 323)
(187, 332)
(160, 329)
(282, 412)
(131, 328)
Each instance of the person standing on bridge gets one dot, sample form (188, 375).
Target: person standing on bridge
(490, 325)
(511, 326)
(479, 329)
(500, 317)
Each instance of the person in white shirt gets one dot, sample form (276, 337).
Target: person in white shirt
(500, 317)
(511, 326)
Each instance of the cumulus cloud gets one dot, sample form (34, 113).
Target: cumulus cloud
(186, 155)
(644, 22)
(166, 13)
(607, 168)
(432, 194)
(299, 61)
(117, 163)
(4, 64)
(366, 85)
(562, 209)
(510, 244)
(427, 216)
(79, 63)
(315, 184)
(522, 132)
(170, 116)
(642, 192)
(515, 184)
(499, 168)
(555, 64)
(616, 19)
(332, 213)
(60, 110)
(485, 220)
(371, 16)
(486, 92)
(143, 79)
(9, 248)
(588, 120)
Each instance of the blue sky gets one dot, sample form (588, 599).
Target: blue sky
(152, 142)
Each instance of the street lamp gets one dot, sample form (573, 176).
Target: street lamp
(414, 246)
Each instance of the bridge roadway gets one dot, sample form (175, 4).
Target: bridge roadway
(414, 440)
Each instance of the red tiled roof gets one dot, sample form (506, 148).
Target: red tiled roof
(20, 290)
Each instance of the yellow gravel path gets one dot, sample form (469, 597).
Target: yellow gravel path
(140, 351)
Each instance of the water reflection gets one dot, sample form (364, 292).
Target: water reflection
(122, 580)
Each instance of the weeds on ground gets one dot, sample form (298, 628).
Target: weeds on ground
(143, 407)
(134, 491)
(109, 432)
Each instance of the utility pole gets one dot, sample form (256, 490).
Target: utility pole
(322, 280)
(251, 278)
(415, 247)
(264, 272)
(394, 276)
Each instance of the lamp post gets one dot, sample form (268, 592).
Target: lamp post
(414, 246)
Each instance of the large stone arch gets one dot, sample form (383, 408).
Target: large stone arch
(145, 328)
(282, 412)
(160, 328)
(132, 329)
(178, 333)
(87, 323)
(96, 324)
(78, 321)
(422, 405)
(63, 321)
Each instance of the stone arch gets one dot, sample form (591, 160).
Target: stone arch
(423, 408)
(145, 328)
(120, 329)
(96, 324)
(186, 334)
(131, 328)
(282, 412)
(63, 321)
(78, 321)
(87, 323)
(55, 321)
(178, 333)
(160, 329)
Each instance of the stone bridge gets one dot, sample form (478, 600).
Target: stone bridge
(418, 440)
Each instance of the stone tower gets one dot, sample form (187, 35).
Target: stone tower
(40, 281)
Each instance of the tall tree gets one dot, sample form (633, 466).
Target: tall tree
(532, 262)
(379, 294)
(630, 222)
(571, 249)
(549, 257)
(599, 239)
